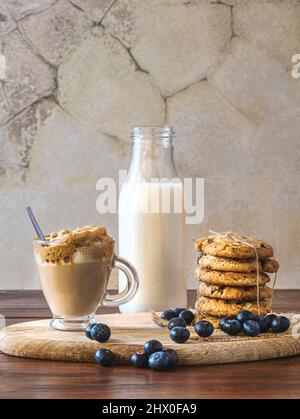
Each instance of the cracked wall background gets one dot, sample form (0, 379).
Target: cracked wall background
(81, 72)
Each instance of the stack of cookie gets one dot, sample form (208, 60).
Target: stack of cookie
(227, 276)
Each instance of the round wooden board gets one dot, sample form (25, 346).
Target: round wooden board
(129, 332)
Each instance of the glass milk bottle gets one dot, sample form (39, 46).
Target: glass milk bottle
(152, 222)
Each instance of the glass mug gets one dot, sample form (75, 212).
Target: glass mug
(74, 290)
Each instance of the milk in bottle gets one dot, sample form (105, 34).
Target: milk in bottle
(152, 222)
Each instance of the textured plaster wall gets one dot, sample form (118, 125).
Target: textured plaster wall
(81, 72)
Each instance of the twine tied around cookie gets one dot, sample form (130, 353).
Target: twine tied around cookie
(240, 239)
(273, 286)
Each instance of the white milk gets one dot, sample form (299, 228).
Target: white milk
(154, 243)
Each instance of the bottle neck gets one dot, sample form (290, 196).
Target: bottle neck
(152, 154)
(155, 135)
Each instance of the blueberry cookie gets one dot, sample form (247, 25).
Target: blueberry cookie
(269, 265)
(233, 293)
(228, 247)
(237, 265)
(222, 308)
(231, 279)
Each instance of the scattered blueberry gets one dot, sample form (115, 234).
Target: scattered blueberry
(178, 311)
(139, 359)
(264, 323)
(251, 328)
(173, 357)
(159, 361)
(179, 334)
(280, 324)
(223, 320)
(88, 329)
(204, 328)
(232, 327)
(245, 315)
(177, 321)
(168, 314)
(272, 316)
(187, 316)
(100, 332)
(105, 357)
(152, 346)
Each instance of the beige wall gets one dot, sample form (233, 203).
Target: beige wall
(81, 72)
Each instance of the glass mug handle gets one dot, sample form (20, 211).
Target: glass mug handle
(115, 300)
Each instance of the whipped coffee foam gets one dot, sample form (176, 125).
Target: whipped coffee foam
(84, 244)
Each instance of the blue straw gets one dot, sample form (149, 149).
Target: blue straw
(35, 225)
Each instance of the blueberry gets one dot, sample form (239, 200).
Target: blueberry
(264, 323)
(168, 314)
(187, 316)
(280, 325)
(177, 321)
(245, 315)
(204, 328)
(173, 357)
(100, 332)
(179, 334)
(251, 328)
(139, 359)
(178, 311)
(232, 327)
(159, 361)
(223, 320)
(272, 316)
(152, 346)
(105, 357)
(88, 329)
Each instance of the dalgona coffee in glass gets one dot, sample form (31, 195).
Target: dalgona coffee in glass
(74, 269)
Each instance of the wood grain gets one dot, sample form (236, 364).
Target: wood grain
(27, 378)
(129, 333)
(32, 304)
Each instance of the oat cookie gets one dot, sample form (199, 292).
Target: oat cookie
(222, 308)
(231, 279)
(233, 293)
(227, 247)
(269, 265)
(237, 265)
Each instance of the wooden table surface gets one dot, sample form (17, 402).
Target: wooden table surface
(26, 378)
